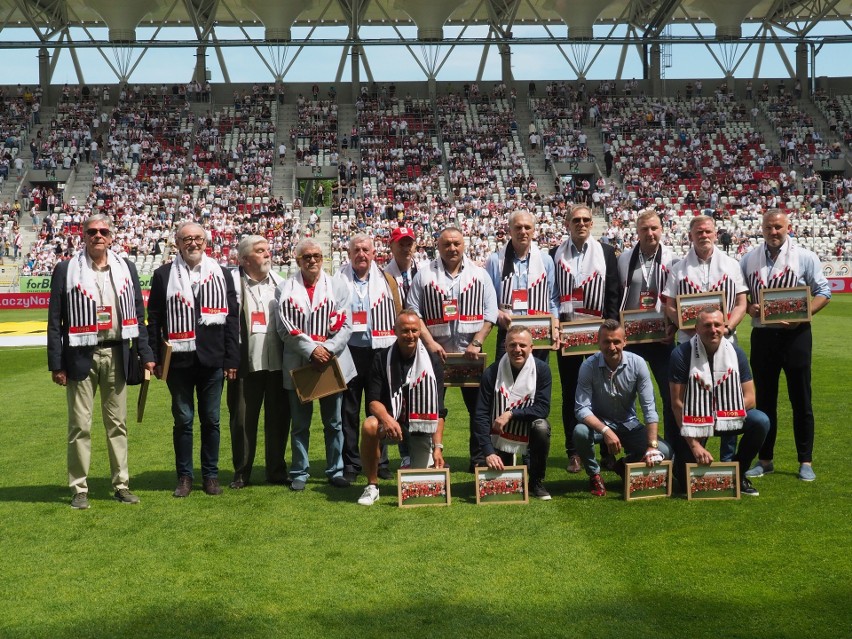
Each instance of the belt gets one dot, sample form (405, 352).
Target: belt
(109, 343)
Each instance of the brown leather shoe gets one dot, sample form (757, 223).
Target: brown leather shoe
(211, 486)
(184, 486)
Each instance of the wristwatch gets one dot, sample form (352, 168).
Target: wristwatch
(439, 445)
(476, 343)
(653, 444)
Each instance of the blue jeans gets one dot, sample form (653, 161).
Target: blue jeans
(634, 442)
(300, 435)
(208, 384)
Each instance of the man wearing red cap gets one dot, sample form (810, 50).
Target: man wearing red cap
(402, 266)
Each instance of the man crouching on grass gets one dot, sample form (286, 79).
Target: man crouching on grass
(403, 397)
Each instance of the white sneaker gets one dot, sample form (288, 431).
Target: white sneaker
(406, 462)
(370, 495)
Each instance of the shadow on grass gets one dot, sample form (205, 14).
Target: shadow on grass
(641, 614)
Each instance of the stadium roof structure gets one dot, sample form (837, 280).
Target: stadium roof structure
(49, 24)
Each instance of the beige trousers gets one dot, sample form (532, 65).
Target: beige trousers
(107, 374)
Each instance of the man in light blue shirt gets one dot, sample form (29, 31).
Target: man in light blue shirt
(604, 404)
(523, 278)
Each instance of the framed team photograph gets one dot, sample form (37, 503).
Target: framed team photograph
(507, 486)
(540, 327)
(461, 371)
(644, 326)
(719, 480)
(644, 482)
(688, 307)
(779, 305)
(430, 487)
(579, 338)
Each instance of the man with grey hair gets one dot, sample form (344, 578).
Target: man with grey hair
(259, 378)
(193, 307)
(374, 310)
(95, 311)
(523, 276)
(315, 324)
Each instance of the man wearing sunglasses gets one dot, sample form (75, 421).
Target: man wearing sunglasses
(587, 284)
(95, 311)
(193, 306)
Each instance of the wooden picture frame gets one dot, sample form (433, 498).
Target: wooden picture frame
(723, 478)
(507, 486)
(778, 305)
(463, 372)
(423, 487)
(688, 307)
(312, 384)
(581, 335)
(143, 395)
(647, 482)
(540, 327)
(644, 326)
(167, 359)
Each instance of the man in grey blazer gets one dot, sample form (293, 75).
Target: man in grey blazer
(315, 326)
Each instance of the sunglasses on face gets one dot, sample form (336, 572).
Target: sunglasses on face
(581, 220)
(102, 232)
(312, 256)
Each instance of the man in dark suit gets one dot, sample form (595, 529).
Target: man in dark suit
(259, 378)
(193, 306)
(587, 283)
(95, 311)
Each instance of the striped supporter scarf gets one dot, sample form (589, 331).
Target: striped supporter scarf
(421, 399)
(697, 279)
(437, 288)
(712, 404)
(512, 392)
(590, 278)
(783, 274)
(82, 292)
(538, 297)
(319, 318)
(211, 297)
(382, 309)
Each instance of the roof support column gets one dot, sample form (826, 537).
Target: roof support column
(44, 74)
(506, 63)
(802, 71)
(200, 74)
(655, 70)
(356, 72)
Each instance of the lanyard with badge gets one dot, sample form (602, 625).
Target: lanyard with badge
(577, 293)
(359, 317)
(648, 293)
(520, 293)
(257, 318)
(104, 313)
(450, 302)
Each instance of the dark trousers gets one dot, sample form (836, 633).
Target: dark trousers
(569, 373)
(657, 356)
(207, 383)
(535, 458)
(774, 350)
(470, 395)
(351, 412)
(753, 432)
(245, 397)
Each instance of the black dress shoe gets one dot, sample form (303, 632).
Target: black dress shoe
(385, 473)
(238, 484)
(350, 476)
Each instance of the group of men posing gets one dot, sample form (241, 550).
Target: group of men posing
(391, 329)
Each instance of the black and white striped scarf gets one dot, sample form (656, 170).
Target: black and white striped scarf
(82, 293)
(211, 297)
(710, 404)
(783, 274)
(512, 392)
(538, 295)
(318, 318)
(696, 277)
(421, 399)
(382, 308)
(591, 278)
(437, 288)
